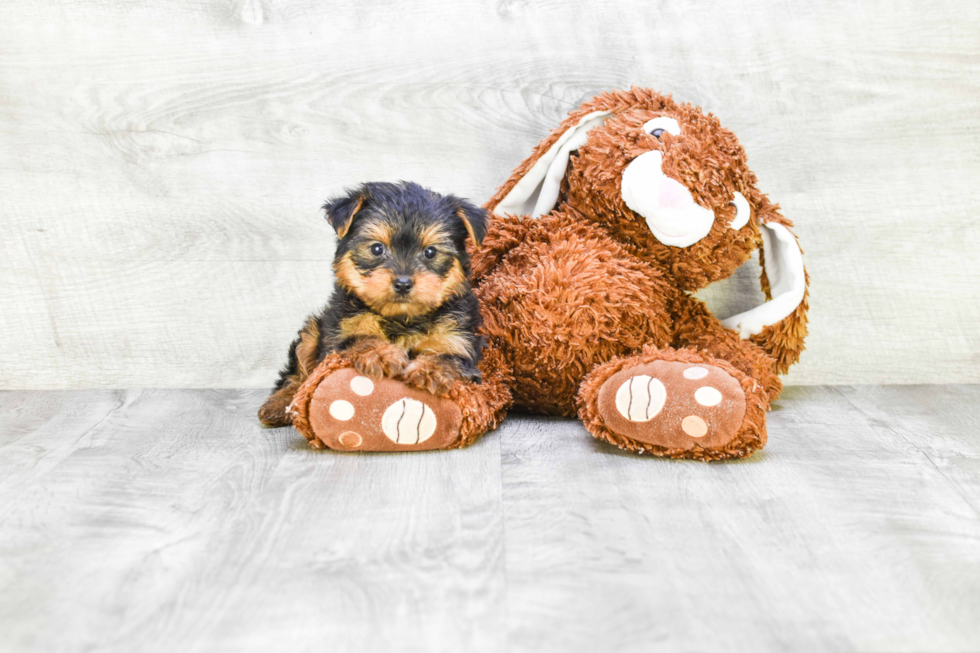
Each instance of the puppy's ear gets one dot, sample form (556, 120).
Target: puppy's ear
(475, 220)
(341, 210)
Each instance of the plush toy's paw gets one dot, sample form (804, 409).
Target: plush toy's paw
(352, 412)
(686, 408)
(431, 374)
(378, 359)
(673, 404)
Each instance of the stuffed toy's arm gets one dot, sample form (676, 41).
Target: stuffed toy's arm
(504, 234)
(695, 326)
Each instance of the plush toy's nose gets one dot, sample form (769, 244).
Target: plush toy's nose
(673, 194)
(666, 205)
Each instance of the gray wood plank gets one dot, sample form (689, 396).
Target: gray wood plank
(941, 423)
(162, 163)
(841, 535)
(168, 520)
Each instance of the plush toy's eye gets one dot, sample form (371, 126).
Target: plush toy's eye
(658, 126)
(377, 249)
(429, 252)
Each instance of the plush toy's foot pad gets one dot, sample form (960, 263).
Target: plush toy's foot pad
(351, 412)
(673, 404)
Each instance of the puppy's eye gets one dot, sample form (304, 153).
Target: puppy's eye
(429, 252)
(656, 133)
(377, 249)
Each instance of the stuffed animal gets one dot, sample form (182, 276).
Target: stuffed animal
(585, 280)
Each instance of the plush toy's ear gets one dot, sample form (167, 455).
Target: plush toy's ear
(475, 220)
(778, 325)
(341, 210)
(535, 193)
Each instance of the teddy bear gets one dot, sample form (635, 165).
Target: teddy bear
(586, 280)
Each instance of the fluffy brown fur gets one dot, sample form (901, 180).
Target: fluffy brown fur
(566, 295)
(585, 291)
(586, 302)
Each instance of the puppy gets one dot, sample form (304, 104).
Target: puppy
(402, 306)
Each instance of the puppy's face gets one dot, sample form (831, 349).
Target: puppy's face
(402, 248)
(401, 267)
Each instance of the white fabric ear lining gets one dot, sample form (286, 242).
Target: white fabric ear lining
(536, 193)
(787, 282)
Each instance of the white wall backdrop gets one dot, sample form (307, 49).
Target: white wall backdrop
(162, 163)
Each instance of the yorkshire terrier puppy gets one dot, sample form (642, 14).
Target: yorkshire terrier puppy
(402, 306)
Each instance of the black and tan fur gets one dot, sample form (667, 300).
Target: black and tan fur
(394, 236)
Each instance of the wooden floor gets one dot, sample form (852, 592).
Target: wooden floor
(169, 521)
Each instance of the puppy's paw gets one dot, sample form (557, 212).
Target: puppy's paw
(471, 374)
(431, 374)
(381, 360)
(275, 411)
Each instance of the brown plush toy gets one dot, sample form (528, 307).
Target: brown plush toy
(585, 279)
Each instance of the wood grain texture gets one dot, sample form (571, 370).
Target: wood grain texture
(856, 529)
(165, 520)
(169, 520)
(162, 163)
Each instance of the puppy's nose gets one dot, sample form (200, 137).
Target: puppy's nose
(402, 285)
